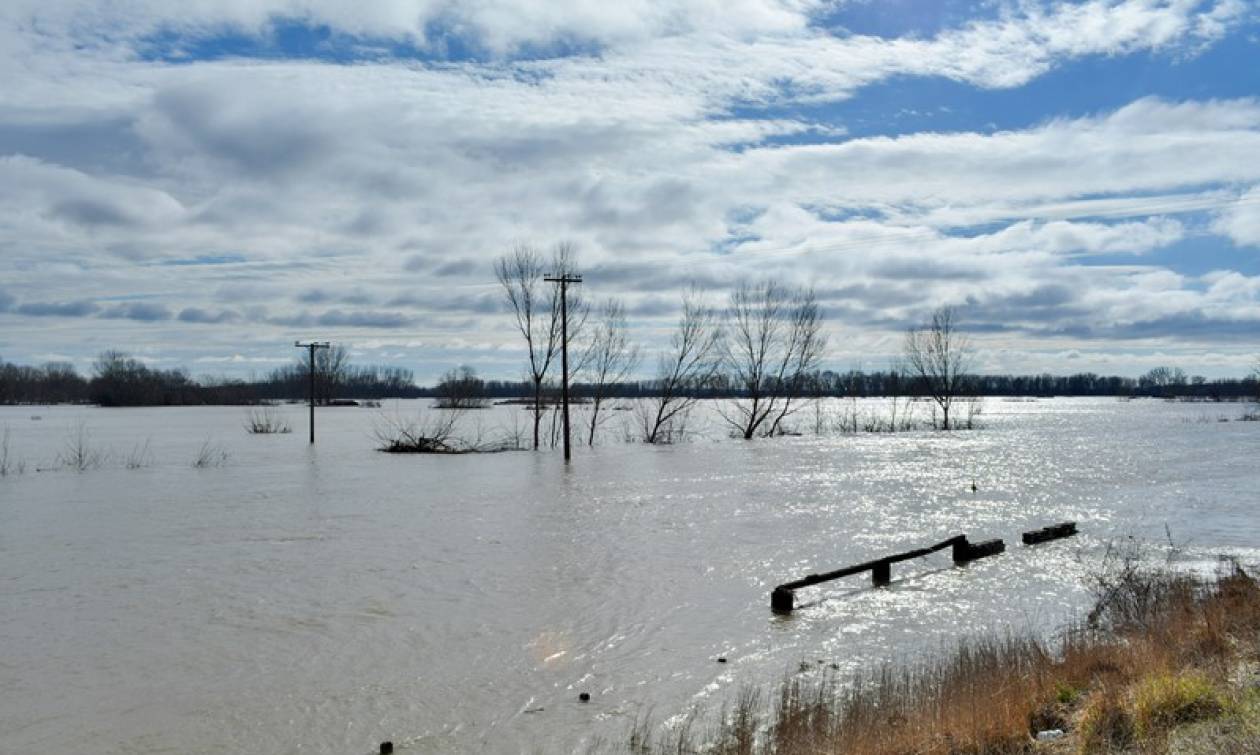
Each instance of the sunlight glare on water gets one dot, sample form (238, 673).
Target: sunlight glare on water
(322, 599)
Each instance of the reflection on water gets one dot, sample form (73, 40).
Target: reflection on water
(323, 599)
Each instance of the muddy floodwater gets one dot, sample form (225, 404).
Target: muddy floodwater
(284, 598)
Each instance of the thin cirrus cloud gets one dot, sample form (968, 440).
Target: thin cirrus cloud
(674, 143)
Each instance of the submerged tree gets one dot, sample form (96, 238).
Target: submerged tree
(773, 345)
(689, 367)
(332, 366)
(939, 357)
(535, 305)
(1161, 380)
(609, 359)
(460, 388)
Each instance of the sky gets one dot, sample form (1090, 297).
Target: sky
(202, 183)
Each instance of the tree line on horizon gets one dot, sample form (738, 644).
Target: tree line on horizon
(138, 384)
(761, 351)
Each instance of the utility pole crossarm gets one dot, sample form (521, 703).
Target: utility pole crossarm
(564, 279)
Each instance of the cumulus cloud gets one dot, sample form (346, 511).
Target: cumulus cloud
(670, 148)
(1240, 220)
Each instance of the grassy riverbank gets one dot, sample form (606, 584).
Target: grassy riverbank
(1166, 662)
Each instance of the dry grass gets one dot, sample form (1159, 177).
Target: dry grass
(1159, 654)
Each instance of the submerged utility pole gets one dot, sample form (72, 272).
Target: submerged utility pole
(311, 347)
(564, 279)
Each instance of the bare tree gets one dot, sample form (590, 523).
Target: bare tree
(536, 307)
(609, 359)
(332, 366)
(460, 388)
(774, 343)
(1163, 380)
(939, 357)
(691, 365)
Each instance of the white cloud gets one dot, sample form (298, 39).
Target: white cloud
(1240, 220)
(499, 25)
(395, 183)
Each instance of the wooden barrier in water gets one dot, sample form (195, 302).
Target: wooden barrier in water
(1053, 532)
(783, 597)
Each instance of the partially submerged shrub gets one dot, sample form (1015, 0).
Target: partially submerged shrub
(210, 454)
(78, 453)
(431, 435)
(139, 457)
(9, 464)
(435, 433)
(266, 421)
(1130, 591)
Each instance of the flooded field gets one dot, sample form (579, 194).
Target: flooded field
(283, 598)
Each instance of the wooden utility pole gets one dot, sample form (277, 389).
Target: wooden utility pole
(311, 347)
(564, 279)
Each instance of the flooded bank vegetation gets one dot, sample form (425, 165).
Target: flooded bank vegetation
(1168, 662)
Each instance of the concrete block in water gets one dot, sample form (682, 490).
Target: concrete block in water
(782, 600)
(972, 551)
(1046, 534)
